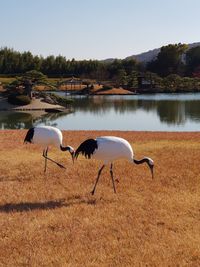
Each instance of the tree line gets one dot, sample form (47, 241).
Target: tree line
(176, 59)
(14, 63)
(175, 65)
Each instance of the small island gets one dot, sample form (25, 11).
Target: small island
(22, 94)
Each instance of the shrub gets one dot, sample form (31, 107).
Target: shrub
(60, 100)
(107, 87)
(19, 99)
(55, 99)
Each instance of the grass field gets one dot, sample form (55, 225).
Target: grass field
(52, 220)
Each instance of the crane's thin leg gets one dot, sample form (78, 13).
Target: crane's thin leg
(99, 173)
(111, 173)
(45, 156)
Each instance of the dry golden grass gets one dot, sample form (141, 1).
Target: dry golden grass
(114, 91)
(69, 87)
(6, 79)
(96, 90)
(52, 220)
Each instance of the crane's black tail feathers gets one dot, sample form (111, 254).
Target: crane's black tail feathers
(29, 136)
(86, 148)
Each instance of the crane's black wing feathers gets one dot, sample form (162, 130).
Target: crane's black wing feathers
(87, 148)
(29, 136)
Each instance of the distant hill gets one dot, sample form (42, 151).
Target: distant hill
(146, 56)
(149, 55)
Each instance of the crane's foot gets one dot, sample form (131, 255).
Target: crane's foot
(61, 166)
(92, 192)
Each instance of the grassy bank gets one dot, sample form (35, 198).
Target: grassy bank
(52, 220)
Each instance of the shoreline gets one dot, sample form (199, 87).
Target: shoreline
(134, 135)
(38, 105)
(35, 105)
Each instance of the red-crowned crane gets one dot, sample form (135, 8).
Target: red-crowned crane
(46, 136)
(108, 149)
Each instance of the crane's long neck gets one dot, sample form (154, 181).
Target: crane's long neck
(64, 148)
(146, 160)
(68, 148)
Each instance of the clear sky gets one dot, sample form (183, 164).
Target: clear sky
(97, 29)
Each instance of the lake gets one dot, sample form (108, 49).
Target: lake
(155, 112)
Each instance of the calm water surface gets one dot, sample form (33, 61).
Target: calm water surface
(159, 112)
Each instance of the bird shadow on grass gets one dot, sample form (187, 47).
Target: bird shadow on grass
(47, 205)
(29, 206)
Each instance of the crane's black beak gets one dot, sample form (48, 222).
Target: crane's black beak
(150, 163)
(151, 169)
(72, 154)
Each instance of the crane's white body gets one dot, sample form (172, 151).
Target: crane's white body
(47, 135)
(111, 148)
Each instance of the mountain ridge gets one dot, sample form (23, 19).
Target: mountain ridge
(145, 57)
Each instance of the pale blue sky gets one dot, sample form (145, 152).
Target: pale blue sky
(97, 29)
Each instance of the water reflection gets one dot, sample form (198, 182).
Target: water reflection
(153, 112)
(172, 111)
(15, 120)
(25, 120)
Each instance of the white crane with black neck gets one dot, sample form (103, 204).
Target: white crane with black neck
(109, 149)
(47, 136)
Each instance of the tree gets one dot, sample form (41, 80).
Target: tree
(113, 68)
(172, 82)
(121, 78)
(193, 61)
(132, 80)
(129, 65)
(47, 65)
(24, 84)
(169, 60)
